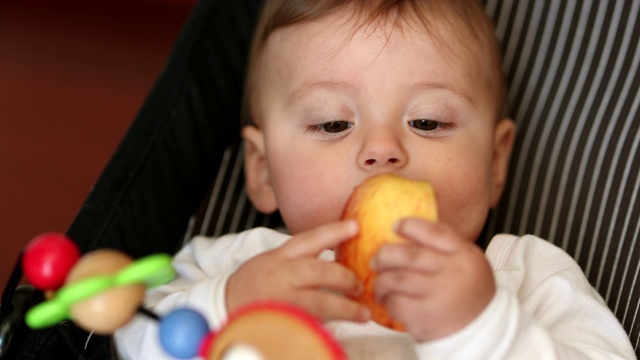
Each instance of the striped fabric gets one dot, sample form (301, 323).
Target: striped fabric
(572, 68)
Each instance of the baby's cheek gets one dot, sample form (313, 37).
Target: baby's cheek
(309, 189)
(464, 205)
(308, 209)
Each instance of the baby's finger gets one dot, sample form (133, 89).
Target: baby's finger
(407, 283)
(408, 256)
(330, 306)
(312, 242)
(310, 273)
(435, 235)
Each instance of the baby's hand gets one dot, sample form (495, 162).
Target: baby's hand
(293, 273)
(435, 285)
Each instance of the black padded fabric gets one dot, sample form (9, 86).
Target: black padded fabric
(171, 153)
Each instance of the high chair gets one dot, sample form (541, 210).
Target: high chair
(572, 70)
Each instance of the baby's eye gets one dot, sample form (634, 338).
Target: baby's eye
(425, 124)
(332, 127)
(335, 126)
(431, 128)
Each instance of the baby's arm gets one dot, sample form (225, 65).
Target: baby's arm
(548, 308)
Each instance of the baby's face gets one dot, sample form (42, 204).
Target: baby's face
(337, 107)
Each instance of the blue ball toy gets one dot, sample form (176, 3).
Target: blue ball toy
(181, 332)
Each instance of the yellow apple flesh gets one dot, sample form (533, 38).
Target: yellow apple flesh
(377, 204)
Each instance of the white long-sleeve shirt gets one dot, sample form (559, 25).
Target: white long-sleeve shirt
(544, 307)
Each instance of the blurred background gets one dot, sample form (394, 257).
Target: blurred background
(73, 75)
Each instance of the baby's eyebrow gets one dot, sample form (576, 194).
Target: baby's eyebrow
(437, 85)
(331, 85)
(310, 86)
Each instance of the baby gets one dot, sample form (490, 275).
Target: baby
(339, 91)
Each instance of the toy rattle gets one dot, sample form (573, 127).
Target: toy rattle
(104, 289)
(100, 291)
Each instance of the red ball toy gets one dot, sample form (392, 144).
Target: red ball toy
(47, 260)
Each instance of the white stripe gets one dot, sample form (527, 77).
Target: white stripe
(635, 275)
(595, 134)
(229, 192)
(624, 54)
(534, 168)
(565, 135)
(637, 304)
(189, 233)
(584, 117)
(628, 220)
(632, 204)
(509, 50)
(215, 193)
(539, 159)
(242, 203)
(517, 29)
(530, 87)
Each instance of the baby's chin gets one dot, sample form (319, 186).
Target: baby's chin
(469, 228)
(300, 222)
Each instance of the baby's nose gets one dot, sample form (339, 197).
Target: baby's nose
(389, 161)
(382, 150)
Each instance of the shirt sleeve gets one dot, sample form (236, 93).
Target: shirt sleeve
(544, 308)
(203, 267)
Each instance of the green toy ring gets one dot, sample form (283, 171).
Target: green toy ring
(152, 270)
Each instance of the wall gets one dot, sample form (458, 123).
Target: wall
(72, 76)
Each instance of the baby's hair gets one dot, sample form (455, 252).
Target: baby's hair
(466, 17)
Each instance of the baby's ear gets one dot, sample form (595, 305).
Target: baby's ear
(256, 171)
(504, 136)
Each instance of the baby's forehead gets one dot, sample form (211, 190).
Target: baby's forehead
(441, 25)
(463, 32)
(460, 41)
